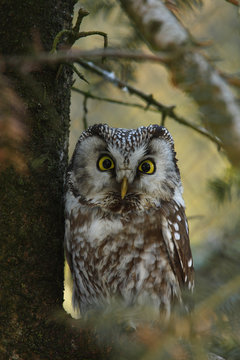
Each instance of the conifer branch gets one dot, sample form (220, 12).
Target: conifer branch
(190, 70)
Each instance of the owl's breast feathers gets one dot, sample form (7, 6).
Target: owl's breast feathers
(141, 256)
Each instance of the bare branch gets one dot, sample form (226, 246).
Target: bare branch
(81, 76)
(112, 101)
(232, 79)
(148, 98)
(27, 63)
(111, 77)
(190, 70)
(83, 34)
(85, 112)
(81, 14)
(73, 34)
(234, 2)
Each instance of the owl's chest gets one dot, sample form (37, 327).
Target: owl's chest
(123, 252)
(106, 237)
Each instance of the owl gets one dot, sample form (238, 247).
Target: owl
(126, 232)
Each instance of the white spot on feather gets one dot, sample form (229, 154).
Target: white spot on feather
(167, 235)
(176, 226)
(177, 236)
(190, 262)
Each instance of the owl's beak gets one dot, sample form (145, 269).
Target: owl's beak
(124, 187)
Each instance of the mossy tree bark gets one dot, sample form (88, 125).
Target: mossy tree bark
(31, 207)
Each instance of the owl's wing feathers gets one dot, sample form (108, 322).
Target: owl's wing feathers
(70, 206)
(176, 238)
(67, 242)
(71, 213)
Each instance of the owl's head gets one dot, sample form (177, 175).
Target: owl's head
(122, 163)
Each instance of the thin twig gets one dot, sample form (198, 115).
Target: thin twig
(75, 34)
(234, 2)
(139, 106)
(232, 79)
(110, 76)
(58, 37)
(80, 75)
(113, 101)
(149, 99)
(26, 63)
(81, 14)
(164, 115)
(90, 33)
(85, 111)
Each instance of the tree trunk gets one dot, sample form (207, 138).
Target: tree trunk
(31, 206)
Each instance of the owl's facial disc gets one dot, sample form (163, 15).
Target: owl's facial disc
(104, 169)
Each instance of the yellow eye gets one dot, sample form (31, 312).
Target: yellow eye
(105, 163)
(147, 167)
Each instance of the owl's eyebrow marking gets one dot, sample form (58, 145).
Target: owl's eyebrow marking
(149, 151)
(101, 148)
(105, 151)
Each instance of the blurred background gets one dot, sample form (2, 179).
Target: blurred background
(211, 190)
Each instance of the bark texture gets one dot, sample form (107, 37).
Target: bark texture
(190, 70)
(31, 209)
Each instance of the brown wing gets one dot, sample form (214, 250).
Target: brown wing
(176, 237)
(67, 241)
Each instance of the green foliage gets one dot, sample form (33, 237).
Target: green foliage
(226, 187)
(220, 275)
(220, 188)
(208, 329)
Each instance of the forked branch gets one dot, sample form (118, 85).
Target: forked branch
(151, 103)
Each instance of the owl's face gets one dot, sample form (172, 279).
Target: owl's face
(123, 163)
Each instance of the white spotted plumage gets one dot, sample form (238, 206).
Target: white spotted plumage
(126, 230)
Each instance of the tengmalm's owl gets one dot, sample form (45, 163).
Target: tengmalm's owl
(126, 230)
